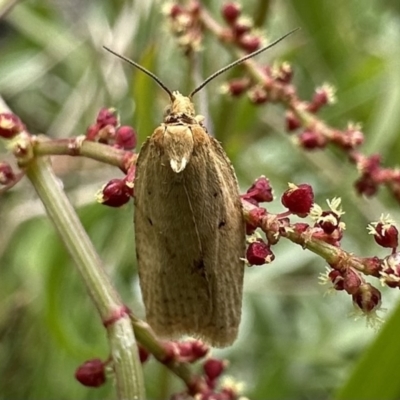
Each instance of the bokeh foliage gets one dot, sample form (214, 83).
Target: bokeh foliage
(294, 343)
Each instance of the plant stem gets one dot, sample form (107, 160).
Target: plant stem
(78, 146)
(126, 363)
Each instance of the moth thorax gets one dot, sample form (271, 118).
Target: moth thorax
(180, 118)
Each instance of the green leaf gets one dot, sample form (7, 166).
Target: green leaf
(373, 376)
(145, 91)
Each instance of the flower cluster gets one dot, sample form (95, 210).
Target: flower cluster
(346, 271)
(298, 200)
(207, 385)
(241, 29)
(108, 130)
(274, 84)
(373, 175)
(185, 25)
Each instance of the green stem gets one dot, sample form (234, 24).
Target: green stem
(126, 363)
(78, 146)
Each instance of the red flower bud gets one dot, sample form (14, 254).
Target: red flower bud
(366, 186)
(328, 221)
(260, 191)
(231, 11)
(185, 350)
(311, 140)
(258, 95)
(213, 368)
(6, 173)
(370, 164)
(10, 125)
(107, 116)
(300, 227)
(390, 272)
(320, 99)
(350, 138)
(91, 373)
(323, 95)
(283, 73)
(199, 349)
(191, 351)
(242, 26)
(249, 42)
(386, 235)
(373, 265)
(254, 218)
(337, 279)
(298, 199)
(175, 10)
(115, 193)
(367, 298)
(172, 352)
(292, 122)
(259, 253)
(236, 87)
(125, 137)
(92, 132)
(351, 281)
(106, 134)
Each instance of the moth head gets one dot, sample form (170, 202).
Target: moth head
(181, 105)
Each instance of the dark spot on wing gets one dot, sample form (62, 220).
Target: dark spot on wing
(221, 224)
(150, 221)
(199, 267)
(199, 264)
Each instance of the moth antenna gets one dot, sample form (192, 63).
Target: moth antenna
(234, 63)
(143, 69)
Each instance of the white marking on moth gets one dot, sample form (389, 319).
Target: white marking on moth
(178, 166)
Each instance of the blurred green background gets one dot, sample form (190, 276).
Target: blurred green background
(294, 343)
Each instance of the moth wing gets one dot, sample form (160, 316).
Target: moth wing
(145, 236)
(226, 250)
(167, 244)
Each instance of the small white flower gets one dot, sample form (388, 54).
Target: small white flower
(229, 382)
(278, 69)
(354, 126)
(335, 206)
(386, 222)
(316, 212)
(324, 278)
(330, 91)
(372, 319)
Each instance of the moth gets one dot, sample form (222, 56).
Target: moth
(189, 226)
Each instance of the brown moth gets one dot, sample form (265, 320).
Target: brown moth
(189, 226)
(190, 232)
